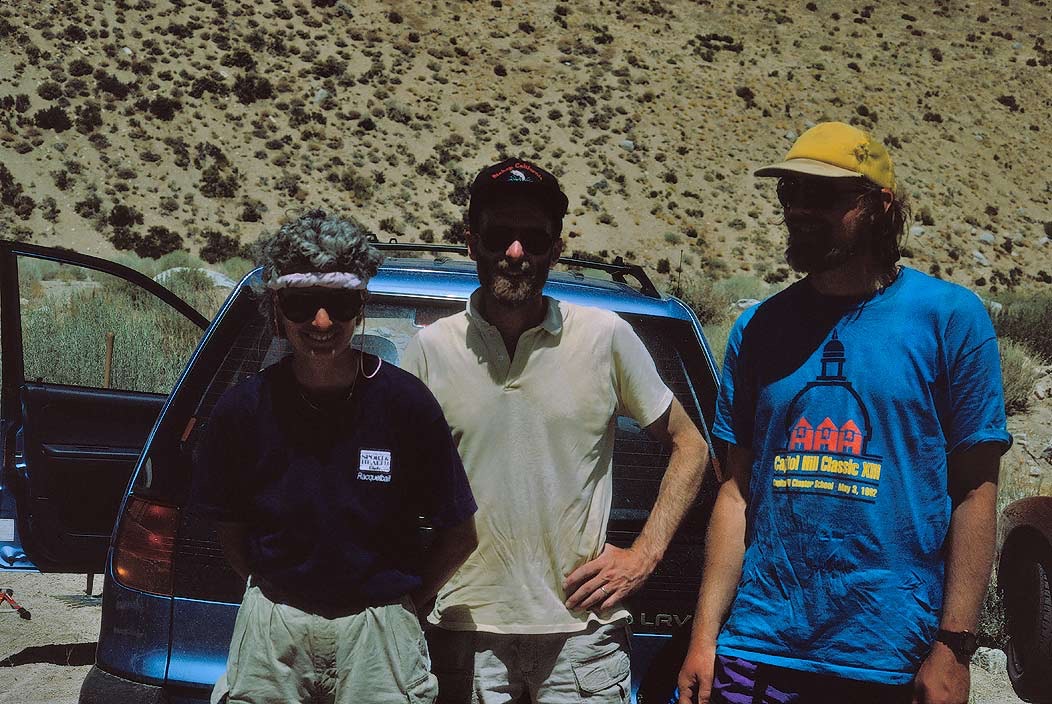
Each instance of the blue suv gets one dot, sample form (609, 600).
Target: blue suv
(96, 479)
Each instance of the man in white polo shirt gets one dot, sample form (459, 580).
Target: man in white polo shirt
(531, 388)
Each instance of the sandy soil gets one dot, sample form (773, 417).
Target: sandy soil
(45, 659)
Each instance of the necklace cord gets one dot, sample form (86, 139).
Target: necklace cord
(354, 383)
(361, 355)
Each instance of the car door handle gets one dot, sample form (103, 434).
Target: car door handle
(91, 452)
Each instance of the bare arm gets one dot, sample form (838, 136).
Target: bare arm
(233, 538)
(616, 573)
(447, 553)
(969, 560)
(724, 552)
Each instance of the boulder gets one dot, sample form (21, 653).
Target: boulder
(990, 659)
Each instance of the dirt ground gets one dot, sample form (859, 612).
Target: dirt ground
(652, 114)
(45, 659)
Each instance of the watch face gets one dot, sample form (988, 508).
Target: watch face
(969, 643)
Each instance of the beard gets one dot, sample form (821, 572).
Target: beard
(811, 248)
(512, 284)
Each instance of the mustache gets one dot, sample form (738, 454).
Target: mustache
(812, 249)
(808, 229)
(523, 266)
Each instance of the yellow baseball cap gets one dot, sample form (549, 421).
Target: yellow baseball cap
(835, 149)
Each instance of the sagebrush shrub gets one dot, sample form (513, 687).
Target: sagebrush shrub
(1020, 370)
(1027, 318)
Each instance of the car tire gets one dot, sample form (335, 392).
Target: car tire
(1028, 611)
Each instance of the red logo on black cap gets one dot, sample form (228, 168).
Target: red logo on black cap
(514, 173)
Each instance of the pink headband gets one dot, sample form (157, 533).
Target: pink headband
(328, 279)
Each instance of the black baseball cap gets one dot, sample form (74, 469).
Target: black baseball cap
(517, 178)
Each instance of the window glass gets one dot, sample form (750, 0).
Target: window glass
(69, 313)
(391, 322)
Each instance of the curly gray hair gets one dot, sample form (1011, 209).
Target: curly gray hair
(318, 241)
(315, 241)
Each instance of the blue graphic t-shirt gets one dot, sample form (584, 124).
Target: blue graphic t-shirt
(850, 408)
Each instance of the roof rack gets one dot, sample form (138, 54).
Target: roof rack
(618, 268)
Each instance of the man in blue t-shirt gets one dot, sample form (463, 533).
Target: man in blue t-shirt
(316, 471)
(852, 540)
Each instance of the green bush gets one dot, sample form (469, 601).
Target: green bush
(717, 333)
(1026, 318)
(191, 285)
(219, 183)
(158, 241)
(235, 267)
(713, 302)
(706, 302)
(251, 87)
(64, 326)
(64, 340)
(1019, 372)
(31, 269)
(153, 267)
(219, 247)
(164, 108)
(713, 299)
(196, 288)
(741, 286)
(360, 188)
(53, 118)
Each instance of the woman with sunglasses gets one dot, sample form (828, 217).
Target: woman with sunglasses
(315, 471)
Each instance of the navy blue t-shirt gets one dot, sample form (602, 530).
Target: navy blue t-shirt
(851, 408)
(332, 497)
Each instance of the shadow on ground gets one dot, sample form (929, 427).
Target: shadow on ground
(72, 654)
(79, 600)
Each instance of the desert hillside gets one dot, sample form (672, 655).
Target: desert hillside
(153, 125)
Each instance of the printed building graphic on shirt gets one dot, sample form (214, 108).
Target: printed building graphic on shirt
(828, 432)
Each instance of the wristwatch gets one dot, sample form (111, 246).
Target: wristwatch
(962, 643)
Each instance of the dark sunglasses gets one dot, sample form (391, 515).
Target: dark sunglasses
(533, 240)
(301, 306)
(817, 193)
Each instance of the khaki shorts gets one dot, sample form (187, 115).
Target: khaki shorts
(474, 667)
(281, 654)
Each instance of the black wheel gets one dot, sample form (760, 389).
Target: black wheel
(1028, 607)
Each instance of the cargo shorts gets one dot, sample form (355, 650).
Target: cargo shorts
(474, 667)
(279, 653)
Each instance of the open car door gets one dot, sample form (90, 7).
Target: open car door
(90, 351)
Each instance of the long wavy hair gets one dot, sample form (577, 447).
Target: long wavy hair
(887, 229)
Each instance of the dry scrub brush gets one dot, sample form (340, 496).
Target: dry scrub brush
(1020, 370)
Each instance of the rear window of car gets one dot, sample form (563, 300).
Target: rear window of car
(392, 321)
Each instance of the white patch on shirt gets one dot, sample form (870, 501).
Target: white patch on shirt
(374, 465)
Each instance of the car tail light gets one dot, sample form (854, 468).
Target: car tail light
(142, 555)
